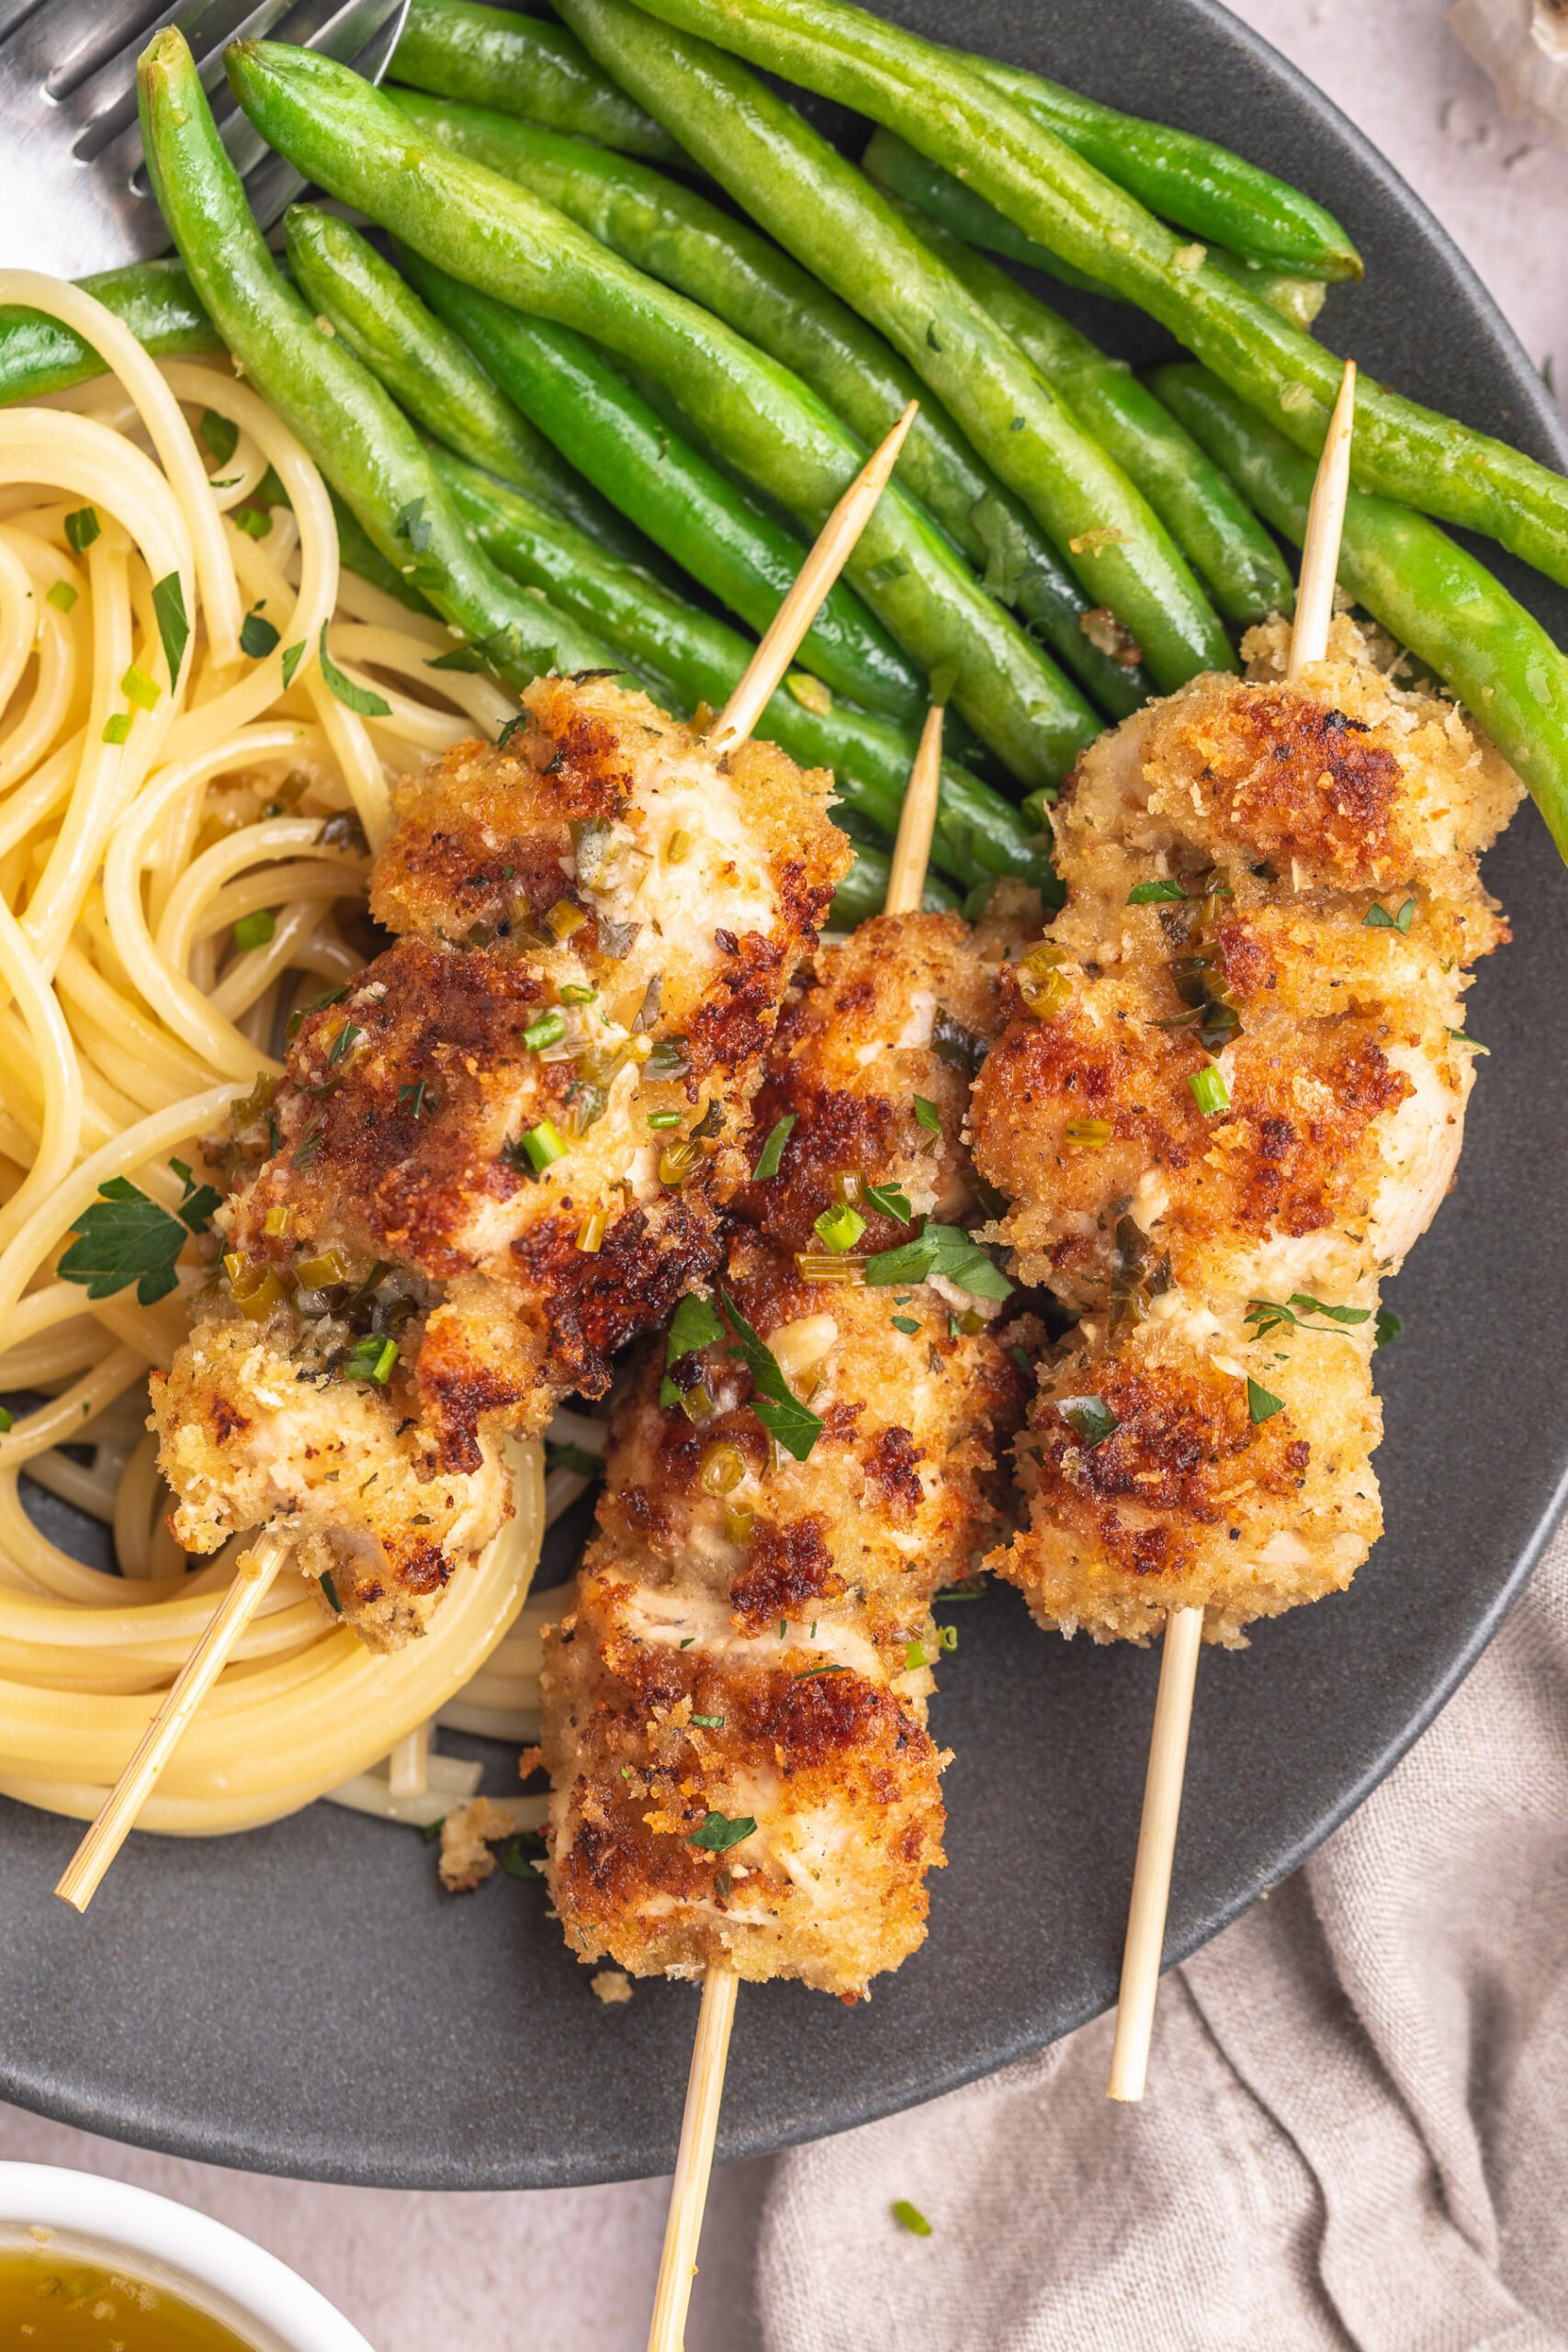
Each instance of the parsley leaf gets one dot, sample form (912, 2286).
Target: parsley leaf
(1262, 1403)
(927, 1115)
(719, 1832)
(123, 1238)
(512, 727)
(291, 654)
(1091, 1416)
(1389, 1326)
(1378, 918)
(575, 1458)
(197, 1202)
(789, 1422)
(696, 1323)
(906, 1323)
(174, 627)
(944, 1249)
(1154, 894)
(772, 1150)
(257, 637)
(368, 704)
(890, 1200)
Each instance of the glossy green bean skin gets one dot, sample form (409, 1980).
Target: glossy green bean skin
(835, 222)
(697, 659)
(491, 57)
(154, 299)
(568, 387)
(431, 373)
(1221, 537)
(668, 229)
(500, 238)
(966, 123)
(1215, 194)
(363, 444)
(893, 162)
(1428, 592)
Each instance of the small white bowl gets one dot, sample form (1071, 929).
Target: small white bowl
(262, 2300)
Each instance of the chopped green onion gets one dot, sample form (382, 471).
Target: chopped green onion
(709, 1723)
(664, 1118)
(343, 1043)
(371, 1358)
(61, 596)
(82, 529)
(839, 1228)
(909, 2217)
(914, 1657)
(412, 1097)
(255, 931)
(117, 727)
(546, 1029)
(544, 1144)
(573, 993)
(1209, 1090)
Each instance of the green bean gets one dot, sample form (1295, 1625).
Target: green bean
(40, 355)
(673, 232)
(1428, 592)
(354, 142)
(430, 372)
(1226, 545)
(493, 58)
(828, 214)
(864, 891)
(697, 659)
(1215, 194)
(362, 443)
(896, 166)
(966, 123)
(569, 388)
(356, 553)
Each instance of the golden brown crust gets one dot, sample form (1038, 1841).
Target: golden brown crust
(501, 1151)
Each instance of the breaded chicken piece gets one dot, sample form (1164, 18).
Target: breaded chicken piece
(872, 1063)
(1230, 1096)
(499, 1153)
(750, 1640)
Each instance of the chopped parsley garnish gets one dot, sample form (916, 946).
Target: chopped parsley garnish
(944, 1249)
(890, 1200)
(1268, 1315)
(696, 1323)
(905, 1323)
(125, 1237)
(514, 1857)
(772, 1150)
(1388, 1326)
(363, 699)
(810, 1673)
(1377, 918)
(951, 1042)
(81, 528)
(787, 1421)
(512, 727)
(411, 525)
(330, 1588)
(1090, 1416)
(220, 436)
(1262, 1403)
(709, 1723)
(371, 1358)
(412, 1097)
(1154, 894)
(291, 654)
(719, 1832)
(174, 626)
(1475, 1047)
(927, 1115)
(669, 1060)
(257, 637)
(309, 1142)
(909, 2217)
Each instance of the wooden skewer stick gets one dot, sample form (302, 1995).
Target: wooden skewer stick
(253, 1580)
(1184, 1627)
(765, 670)
(912, 850)
(704, 2086)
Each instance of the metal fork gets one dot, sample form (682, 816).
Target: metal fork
(74, 191)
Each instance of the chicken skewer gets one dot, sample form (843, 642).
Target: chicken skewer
(1228, 1104)
(502, 1151)
(734, 1709)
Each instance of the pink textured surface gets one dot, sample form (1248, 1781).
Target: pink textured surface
(574, 2269)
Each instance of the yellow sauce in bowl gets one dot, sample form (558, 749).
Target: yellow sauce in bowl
(55, 2300)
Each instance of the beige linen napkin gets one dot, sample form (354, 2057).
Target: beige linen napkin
(1357, 2129)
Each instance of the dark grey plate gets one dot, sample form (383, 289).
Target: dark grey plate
(302, 2000)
